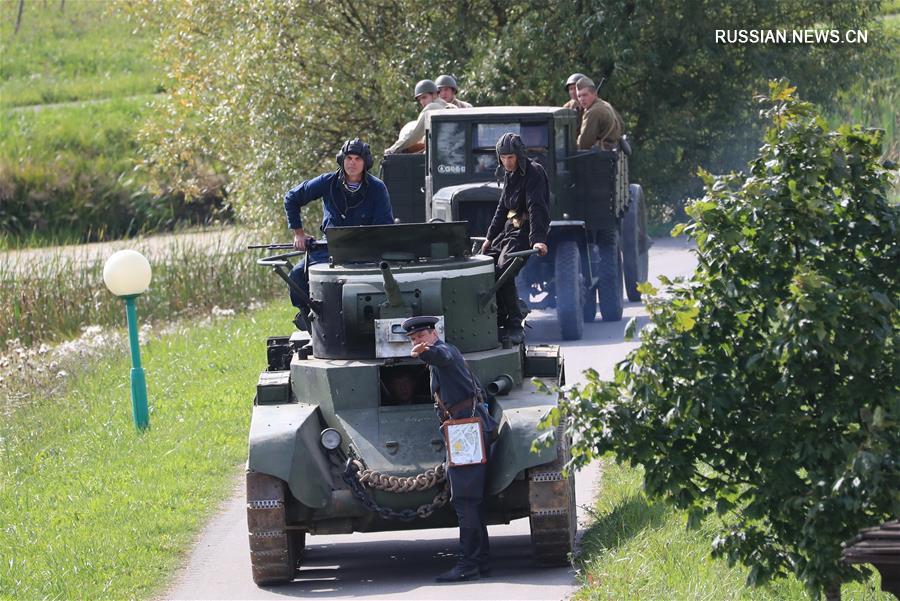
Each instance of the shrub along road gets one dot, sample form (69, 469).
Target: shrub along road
(402, 565)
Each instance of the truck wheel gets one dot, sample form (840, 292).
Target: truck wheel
(569, 290)
(274, 550)
(551, 499)
(635, 255)
(609, 281)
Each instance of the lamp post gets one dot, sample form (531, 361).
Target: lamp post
(127, 274)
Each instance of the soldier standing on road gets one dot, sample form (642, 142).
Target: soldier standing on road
(351, 196)
(601, 124)
(521, 221)
(457, 395)
(572, 102)
(426, 94)
(446, 86)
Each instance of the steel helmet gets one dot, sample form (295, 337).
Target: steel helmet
(426, 86)
(446, 81)
(573, 78)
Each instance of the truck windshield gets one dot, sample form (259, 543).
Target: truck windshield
(450, 148)
(484, 142)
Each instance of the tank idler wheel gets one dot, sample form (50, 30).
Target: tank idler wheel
(274, 550)
(551, 499)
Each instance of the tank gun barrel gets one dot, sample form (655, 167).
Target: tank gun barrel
(391, 288)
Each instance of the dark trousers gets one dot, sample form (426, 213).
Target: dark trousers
(474, 546)
(509, 313)
(299, 273)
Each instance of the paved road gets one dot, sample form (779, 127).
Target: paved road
(402, 565)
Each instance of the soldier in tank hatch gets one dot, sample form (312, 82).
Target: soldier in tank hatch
(351, 196)
(521, 221)
(457, 395)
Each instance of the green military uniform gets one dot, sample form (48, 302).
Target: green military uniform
(574, 105)
(460, 104)
(600, 124)
(409, 137)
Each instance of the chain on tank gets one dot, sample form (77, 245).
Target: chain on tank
(353, 474)
(374, 479)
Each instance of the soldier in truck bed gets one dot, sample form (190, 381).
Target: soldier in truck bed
(601, 124)
(426, 94)
(521, 221)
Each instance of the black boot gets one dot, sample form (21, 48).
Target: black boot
(300, 322)
(466, 567)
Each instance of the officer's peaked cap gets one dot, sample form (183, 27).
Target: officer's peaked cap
(417, 324)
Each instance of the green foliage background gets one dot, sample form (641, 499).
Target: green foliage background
(279, 85)
(765, 390)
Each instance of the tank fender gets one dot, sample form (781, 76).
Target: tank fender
(284, 442)
(511, 453)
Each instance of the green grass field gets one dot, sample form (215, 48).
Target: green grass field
(81, 52)
(76, 85)
(638, 549)
(93, 510)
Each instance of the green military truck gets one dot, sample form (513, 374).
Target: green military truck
(598, 234)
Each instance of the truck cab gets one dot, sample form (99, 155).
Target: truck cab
(457, 179)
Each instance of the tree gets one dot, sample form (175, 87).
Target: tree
(765, 390)
(269, 90)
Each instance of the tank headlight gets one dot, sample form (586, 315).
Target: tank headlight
(331, 439)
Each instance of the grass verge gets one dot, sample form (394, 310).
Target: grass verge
(639, 549)
(93, 510)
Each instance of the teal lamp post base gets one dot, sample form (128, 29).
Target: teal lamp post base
(138, 383)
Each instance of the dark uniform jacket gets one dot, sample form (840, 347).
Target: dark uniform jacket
(526, 191)
(450, 378)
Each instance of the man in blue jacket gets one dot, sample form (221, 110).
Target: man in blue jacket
(351, 196)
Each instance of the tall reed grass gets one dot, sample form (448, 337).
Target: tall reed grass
(59, 296)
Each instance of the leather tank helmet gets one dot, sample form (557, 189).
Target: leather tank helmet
(357, 147)
(510, 143)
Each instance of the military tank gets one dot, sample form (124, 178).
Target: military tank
(344, 436)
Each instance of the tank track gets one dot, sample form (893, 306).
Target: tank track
(551, 500)
(274, 550)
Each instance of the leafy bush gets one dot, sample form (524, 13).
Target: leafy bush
(765, 389)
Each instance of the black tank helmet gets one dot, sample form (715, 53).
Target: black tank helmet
(357, 147)
(510, 143)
